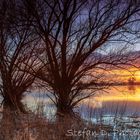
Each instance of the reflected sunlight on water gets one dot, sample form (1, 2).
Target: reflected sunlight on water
(118, 100)
(116, 93)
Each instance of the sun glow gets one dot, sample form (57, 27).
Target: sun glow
(131, 93)
(137, 76)
(119, 93)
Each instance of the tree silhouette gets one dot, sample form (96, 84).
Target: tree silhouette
(72, 33)
(17, 55)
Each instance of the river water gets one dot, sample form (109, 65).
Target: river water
(116, 108)
(117, 100)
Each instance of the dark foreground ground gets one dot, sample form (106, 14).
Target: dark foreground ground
(36, 127)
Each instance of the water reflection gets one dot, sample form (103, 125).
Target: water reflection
(119, 109)
(115, 97)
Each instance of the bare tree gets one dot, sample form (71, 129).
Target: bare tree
(72, 33)
(17, 55)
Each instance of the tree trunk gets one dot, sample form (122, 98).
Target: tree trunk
(14, 105)
(64, 110)
(66, 119)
